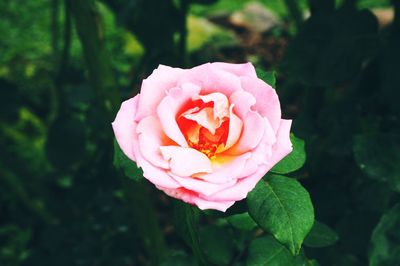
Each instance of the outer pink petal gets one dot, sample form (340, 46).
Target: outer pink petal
(214, 205)
(253, 131)
(240, 190)
(262, 154)
(226, 168)
(124, 126)
(267, 100)
(186, 161)
(212, 79)
(154, 88)
(151, 137)
(169, 107)
(242, 102)
(200, 186)
(283, 146)
(192, 198)
(246, 69)
(154, 174)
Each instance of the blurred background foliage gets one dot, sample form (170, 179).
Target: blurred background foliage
(66, 65)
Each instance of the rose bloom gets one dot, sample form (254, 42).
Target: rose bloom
(204, 135)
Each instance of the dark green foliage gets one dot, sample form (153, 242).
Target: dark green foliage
(217, 244)
(331, 47)
(378, 156)
(320, 235)
(242, 221)
(385, 240)
(65, 146)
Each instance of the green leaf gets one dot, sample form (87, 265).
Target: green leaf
(268, 76)
(123, 163)
(242, 221)
(294, 160)
(378, 156)
(320, 236)
(385, 240)
(217, 244)
(266, 251)
(281, 206)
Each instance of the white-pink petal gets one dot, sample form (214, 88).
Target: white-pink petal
(205, 118)
(221, 104)
(186, 161)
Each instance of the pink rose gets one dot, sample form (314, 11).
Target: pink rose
(204, 135)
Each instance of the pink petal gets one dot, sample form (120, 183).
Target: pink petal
(226, 168)
(267, 100)
(253, 131)
(180, 193)
(220, 101)
(261, 155)
(155, 87)
(242, 102)
(212, 79)
(246, 69)
(240, 190)
(192, 198)
(214, 205)
(124, 126)
(200, 186)
(151, 137)
(205, 118)
(154, 174)
(186, 161)
(283, 145)
(169, 107)
(235, 129)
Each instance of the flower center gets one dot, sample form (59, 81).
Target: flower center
(201, 129)
(209, 143)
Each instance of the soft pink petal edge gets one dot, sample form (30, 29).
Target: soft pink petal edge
(245, 69)
(124, 126)
(155, 87)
